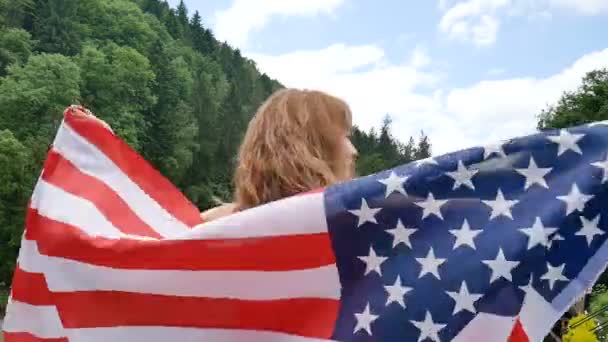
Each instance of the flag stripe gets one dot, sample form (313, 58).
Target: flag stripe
(27, 337)
(90, 160)
(64, 275)
(63, 174)
(137, 169)
(288, 217)
(277, 253)
(30, 288)
(312, 317)
(61, 206)
(38, 320)
(163, 334)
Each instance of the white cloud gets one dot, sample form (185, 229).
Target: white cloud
(473, 20)
(478, 21)
(501, 109)
(359, 74)
(586, 7)
(236, 23)
(411, 93)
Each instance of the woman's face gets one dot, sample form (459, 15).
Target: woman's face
(349, 156)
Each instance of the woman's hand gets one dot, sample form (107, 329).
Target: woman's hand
(84, 114)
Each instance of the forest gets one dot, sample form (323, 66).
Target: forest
(157, 75)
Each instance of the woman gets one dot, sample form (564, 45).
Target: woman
(297, 141)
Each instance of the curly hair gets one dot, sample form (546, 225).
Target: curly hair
(293, 144)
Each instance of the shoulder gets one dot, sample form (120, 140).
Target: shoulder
(219, 212)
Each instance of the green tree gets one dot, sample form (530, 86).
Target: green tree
(14, 13)
(382, 151)
(58, 26)
(15, 47)
(588, 103)
(598, 301)
(34, 95)
(16, 180)
(117, 85)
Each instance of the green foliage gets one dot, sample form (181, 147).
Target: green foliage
(582, 332)
(381, 151)
(117, 85)
(15, 188)
(588, 103)
(597, 301)
(15, 47)
(33, 96)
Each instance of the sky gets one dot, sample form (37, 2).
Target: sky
(466, 72)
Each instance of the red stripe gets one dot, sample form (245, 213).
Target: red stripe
(136, 168)
(518, 334)
(27, 337)
(278, 253)
(65, 175)
(30, 288)
(303, 316)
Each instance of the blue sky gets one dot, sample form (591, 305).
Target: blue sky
(467, 72)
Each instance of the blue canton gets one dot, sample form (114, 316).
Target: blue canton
(423, 248)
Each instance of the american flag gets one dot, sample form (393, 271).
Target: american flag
(487, 244)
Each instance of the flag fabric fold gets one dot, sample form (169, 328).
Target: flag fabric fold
(491, 243)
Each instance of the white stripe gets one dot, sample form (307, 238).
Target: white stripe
(304, 214)
(41, 321)
(163, 334)
(537, 316)
(63, 275)
(59, 205)
(486, 327)
(91, 161)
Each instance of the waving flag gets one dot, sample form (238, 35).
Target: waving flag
(487, 244)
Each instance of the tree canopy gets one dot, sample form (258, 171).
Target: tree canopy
(589, 103)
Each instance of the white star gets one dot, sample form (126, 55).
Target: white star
(396, 292)
(494, 148)
(534, 174)
(365, 213)
(590, 229)
(372, 262)
(554, 274)
(537, 234)
(401, 234)
(364, 320)
(462, 176)
(500, 266)
(604, 166)
(428, 328)
(428, 160)
(430, 264)
(464, 235)
(575, 200)
(567, 141)
(431, 206)
(500, 206)
(394, 183)
(464, 300)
